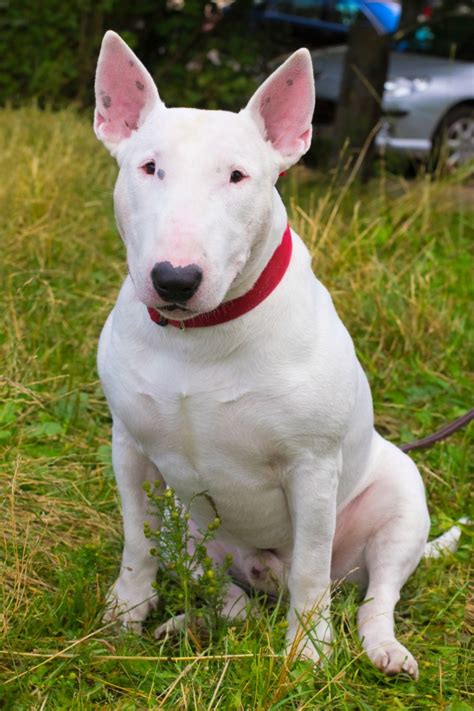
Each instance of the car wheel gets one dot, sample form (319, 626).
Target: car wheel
(453, 144)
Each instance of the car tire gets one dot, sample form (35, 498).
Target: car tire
(453, 142)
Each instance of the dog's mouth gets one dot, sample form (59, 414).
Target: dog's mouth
(174, 307)
(177, 311)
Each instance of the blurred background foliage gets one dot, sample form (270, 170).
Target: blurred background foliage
(199, 54)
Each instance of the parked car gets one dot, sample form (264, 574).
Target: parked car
(428, 98)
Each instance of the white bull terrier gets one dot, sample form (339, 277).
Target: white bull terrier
(227, 369)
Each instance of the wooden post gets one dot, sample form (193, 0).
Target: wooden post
(359, 108)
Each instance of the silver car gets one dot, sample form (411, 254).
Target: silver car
(428, 100)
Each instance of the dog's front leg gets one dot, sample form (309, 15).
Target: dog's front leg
(132, 597)
(311, 489)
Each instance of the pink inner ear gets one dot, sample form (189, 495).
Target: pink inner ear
(123, 89)
(286, 106)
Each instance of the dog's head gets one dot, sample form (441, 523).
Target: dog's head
(194, 196)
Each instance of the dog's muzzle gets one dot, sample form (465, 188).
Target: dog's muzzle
(176, 284)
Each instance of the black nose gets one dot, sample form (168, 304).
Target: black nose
(176, 284)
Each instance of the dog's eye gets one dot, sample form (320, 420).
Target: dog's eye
(236, 176)
(150, 167)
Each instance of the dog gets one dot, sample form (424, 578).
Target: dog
(228, 371)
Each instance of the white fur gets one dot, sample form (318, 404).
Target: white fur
(271, 413)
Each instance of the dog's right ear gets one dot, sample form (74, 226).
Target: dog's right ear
(125, 93)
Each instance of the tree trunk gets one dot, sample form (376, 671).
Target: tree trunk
(360, 108)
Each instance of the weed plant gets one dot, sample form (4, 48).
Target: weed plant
(395, 258)
(195, 586)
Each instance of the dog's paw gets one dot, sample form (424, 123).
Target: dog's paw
(129, 606)
(393, 658)
(305, 651)
(176, 625)
(310, 641)
(171, 627)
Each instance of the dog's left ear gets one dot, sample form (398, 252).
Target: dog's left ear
(283, 107)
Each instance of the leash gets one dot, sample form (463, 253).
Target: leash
(440, 434)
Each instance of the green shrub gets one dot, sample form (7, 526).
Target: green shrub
(51, 48)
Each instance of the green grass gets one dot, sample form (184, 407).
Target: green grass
(394, 256)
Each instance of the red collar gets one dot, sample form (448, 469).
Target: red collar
(265, 284)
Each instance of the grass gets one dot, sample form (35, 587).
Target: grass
(394, 256)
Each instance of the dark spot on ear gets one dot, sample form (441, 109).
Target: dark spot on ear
(160, 173)
(131, 62)
(289, 82)
(107, 101)
(139, 85)
(268, 99)
(101, 92)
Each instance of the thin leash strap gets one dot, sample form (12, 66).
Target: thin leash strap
(441, 434)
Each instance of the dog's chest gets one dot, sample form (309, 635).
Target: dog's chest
(215, 430)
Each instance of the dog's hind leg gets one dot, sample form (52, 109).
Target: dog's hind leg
(395, 545)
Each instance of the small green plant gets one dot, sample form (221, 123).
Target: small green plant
(188, 576)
